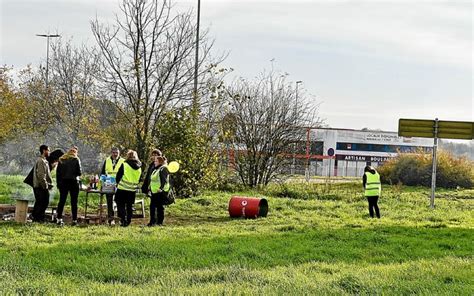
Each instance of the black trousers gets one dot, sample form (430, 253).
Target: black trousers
(157, 207)
(68, 187)
(125, 200)
(41, 204)
(110, 206)
(373, 206)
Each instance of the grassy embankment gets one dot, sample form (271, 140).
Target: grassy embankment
(319, 241)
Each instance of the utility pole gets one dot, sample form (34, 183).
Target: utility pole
(196, 64)
(433, 172)
(47, 36)
(296, 122)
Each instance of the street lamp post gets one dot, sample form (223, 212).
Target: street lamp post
(296, 112)
(47, 36)
(197, 51)
(296, 103)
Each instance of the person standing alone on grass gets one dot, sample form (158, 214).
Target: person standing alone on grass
(372, 189)
(42, 183)
(110, 168)
(159, 187)
(67, 175)
(128, 177)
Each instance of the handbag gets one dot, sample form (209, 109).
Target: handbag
(170, 198)
(29, 178)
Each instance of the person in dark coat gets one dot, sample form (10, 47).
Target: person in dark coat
(151, 168)
(53, 158)
(67, 177)
(159, 188)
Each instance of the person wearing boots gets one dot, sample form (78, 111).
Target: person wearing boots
(159, 188)
(110, 168)
(67, 175)
(372, 189)
(128, 177)
(42, 183)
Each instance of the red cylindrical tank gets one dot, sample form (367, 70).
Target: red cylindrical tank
(248, 207)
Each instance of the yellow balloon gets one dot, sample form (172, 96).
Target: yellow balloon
(173, 167)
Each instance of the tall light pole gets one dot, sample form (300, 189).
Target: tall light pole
(196, 65)
(296, 112)
(47, 36)
(296, 103)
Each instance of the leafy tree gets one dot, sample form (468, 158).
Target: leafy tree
(14, 112)
(185, 139)
(415, 169)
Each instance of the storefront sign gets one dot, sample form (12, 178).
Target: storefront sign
(373, 137)
(363, 158)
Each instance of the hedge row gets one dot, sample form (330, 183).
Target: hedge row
(416, 169)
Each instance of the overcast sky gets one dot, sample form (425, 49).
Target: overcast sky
(368, 62)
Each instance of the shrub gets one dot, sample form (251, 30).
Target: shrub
(416, 169)
(184, 139)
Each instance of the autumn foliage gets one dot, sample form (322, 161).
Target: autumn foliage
(416, 169)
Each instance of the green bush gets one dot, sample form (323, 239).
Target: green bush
(415, 169)
(184, 139)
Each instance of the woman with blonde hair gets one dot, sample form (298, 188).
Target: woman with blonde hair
(67, 177)
(128, 177)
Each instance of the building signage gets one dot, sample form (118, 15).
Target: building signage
(363, 158)
(381, 137)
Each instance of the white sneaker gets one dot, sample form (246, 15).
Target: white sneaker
(112, 222)
(60, 222)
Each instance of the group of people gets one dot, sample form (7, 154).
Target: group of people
(127, 172)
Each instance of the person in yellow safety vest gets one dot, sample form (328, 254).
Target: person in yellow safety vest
(151, 168)
(110, 168)
(372, 189)
(128, 177)
(159, 188)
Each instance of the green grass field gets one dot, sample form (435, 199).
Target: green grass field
(319, 241)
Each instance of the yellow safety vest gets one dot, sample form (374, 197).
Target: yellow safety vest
(130, 179)
(372, 185)
(155, 182)
(110, 170)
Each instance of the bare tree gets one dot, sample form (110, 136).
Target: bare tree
(148, 59)
(68, 112)
(267, 119)
(74, 89)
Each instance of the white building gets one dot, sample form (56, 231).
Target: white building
(346, 152)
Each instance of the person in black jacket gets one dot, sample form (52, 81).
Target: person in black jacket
(151, 168)
(67, 177)
(159, 188)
